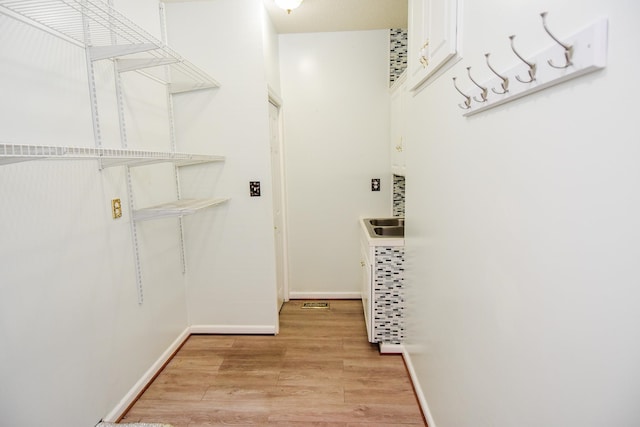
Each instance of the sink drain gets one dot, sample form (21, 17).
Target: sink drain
(324, 305)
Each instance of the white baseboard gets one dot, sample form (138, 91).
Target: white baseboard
(416, 386)
(324, 295)
(140, 385)
(233, 329)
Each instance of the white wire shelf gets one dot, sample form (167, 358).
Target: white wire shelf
(107, 34)
(14, 153)
(175, 209)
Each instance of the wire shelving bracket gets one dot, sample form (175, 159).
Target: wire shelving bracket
(106, 34)
(110, 157)
(112, 36)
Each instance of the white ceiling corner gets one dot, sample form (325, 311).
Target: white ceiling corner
(339, 15)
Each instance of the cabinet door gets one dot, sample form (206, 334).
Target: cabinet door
(366, 291)
(433, 40)
(395, 137)
(398, 120)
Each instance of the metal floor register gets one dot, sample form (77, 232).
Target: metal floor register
(324, 305)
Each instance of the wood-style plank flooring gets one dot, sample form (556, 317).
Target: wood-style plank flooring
(320, 371)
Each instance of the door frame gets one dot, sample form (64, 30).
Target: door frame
(274, 99)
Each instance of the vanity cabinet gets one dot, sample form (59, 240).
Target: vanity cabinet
(382, 289)
(433, 43)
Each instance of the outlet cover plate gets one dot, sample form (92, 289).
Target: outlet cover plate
(375, 184)
(116, 208)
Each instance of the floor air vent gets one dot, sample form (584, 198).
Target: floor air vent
(324, 305)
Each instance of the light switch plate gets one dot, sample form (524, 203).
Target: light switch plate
(254, 188)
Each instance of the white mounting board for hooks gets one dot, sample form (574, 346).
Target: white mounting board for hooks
(589, 54)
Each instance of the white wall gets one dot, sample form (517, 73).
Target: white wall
(336, 129)
(232, 280)
(271, 48)
(74, 339)
(522, 239)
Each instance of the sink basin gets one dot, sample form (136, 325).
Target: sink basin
(394, 231)
(380, 228)
(395, 222)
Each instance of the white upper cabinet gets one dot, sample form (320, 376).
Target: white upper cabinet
(433, 39)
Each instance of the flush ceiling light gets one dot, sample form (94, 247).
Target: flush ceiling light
(288, 5)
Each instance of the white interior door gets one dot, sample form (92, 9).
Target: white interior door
(278, 203)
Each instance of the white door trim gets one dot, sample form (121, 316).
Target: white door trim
(274, 99)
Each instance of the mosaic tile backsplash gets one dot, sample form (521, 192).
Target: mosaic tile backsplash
(388, 295)
(398, 53)
(398, 195)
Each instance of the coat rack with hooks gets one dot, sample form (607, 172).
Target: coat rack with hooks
(583, 52)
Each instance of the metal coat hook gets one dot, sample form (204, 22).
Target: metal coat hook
(505, 80)
(568, 49)
(532, 65)
(484, 91)
(467, 98)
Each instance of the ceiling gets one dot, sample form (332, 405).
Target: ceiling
(315, 16)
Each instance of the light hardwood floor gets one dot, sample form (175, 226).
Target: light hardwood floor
(320, 371)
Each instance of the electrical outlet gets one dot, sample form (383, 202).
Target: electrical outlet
(375, 184)
(116, 208)
(254, 188)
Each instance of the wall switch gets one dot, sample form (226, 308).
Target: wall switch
(375, 184)
(254, 188)
(116, 208)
